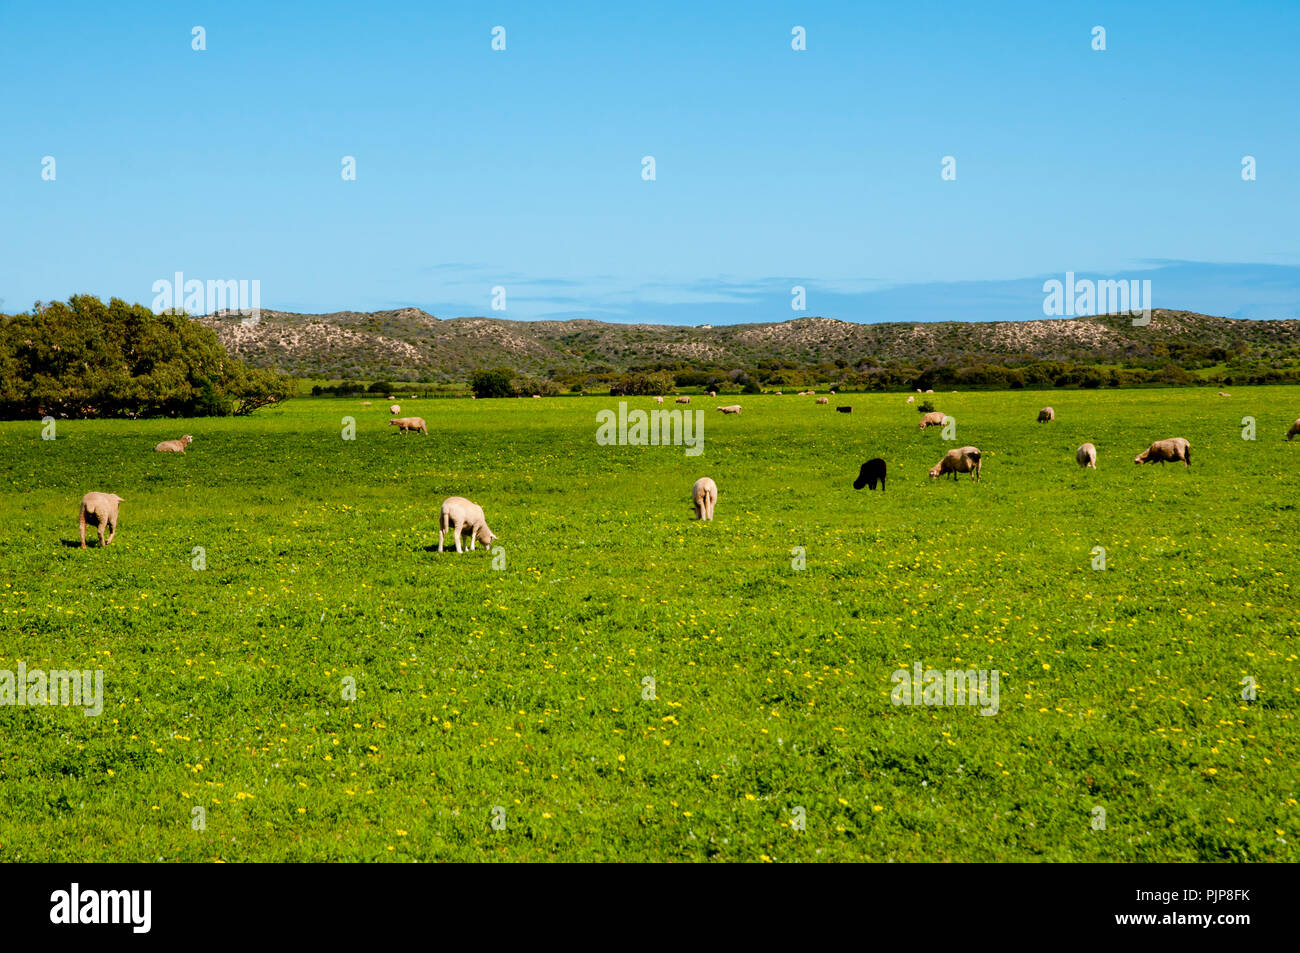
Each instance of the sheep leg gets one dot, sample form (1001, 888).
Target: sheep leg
(83, 527)
(459, 525)
(112, 531)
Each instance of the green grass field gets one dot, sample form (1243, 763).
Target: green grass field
(519, 693)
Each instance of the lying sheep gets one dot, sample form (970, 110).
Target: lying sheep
(823, 400)
(872, 471)
(100, 511)
(911, 400)
(713, 393)
(395, 409)
(1167, 451)
(403, 424)
(1086, 456)
(730, 409)
(844, 410)
(175, 446)
(682, 400)
(704, 494)
(1295, 429)
(458, 516)
(958, 460)
(1222, 394)
(933, 419)
(1046, 414)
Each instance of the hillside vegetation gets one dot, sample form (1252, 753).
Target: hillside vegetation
(411, 345)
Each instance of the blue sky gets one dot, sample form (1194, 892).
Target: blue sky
(522, 168)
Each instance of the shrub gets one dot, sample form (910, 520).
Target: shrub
(491, 383)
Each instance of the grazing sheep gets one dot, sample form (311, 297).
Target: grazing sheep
(459, 515)
(933, 419)
(365, 403)
(844, 410)
(1046, 414)
(175, 446)
(537, 397)
(778, 394)
(958, 460)
(1295, 429)
(1167, 451)
(704, 494)
(682, 400)
(872, 471)
(403, 424)
(100, 510)
(730, 409)
(823, 400)
(395, 409)
(1086, 456)
(911, 400)
(713, 393)
(832, 393)
(659, 400)
(930, 391)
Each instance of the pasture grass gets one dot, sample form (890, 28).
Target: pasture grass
(520, 693)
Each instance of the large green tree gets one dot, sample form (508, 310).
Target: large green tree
(84, 358)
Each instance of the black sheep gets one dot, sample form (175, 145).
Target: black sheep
(871, 471)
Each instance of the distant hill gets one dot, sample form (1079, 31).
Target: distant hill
(409, 344)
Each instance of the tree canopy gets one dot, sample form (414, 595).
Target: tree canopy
(84, 358)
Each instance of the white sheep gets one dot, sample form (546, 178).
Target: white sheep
(459, 515)
(730, 409)
(1086, 456)
(175, 446)
(100, 510)
(403, 424)
(1171, 450)
(958, 460)
(395, 409)
(704, 494)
